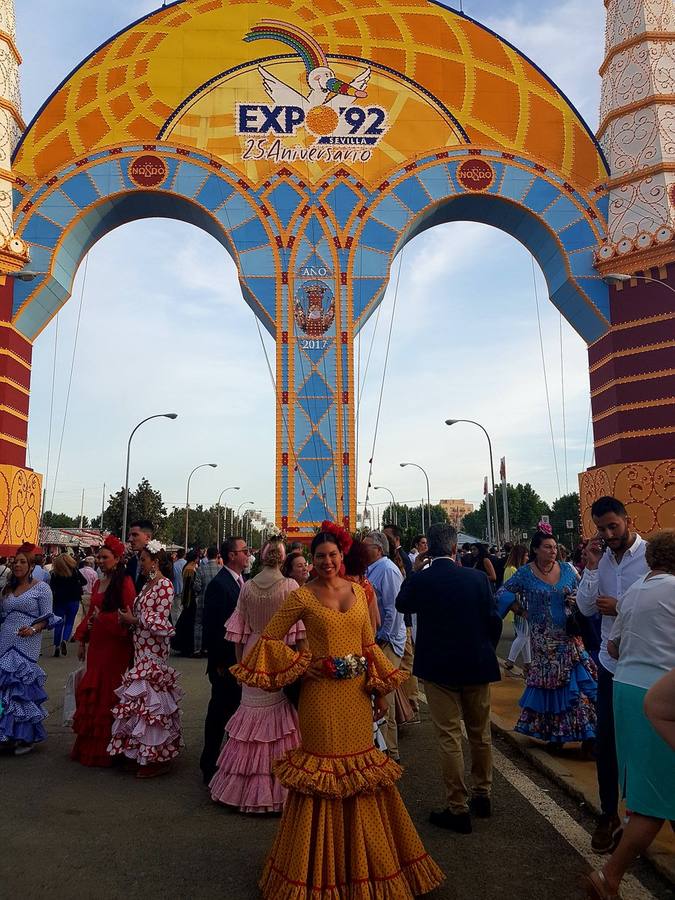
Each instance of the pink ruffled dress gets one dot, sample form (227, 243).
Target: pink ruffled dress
(146, 724)
(265, 726)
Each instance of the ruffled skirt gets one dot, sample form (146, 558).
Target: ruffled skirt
(146, 726)
(22, 694)
(558, 701)
(263, 729)
(93, 720)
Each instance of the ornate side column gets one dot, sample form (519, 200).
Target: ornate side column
(632, 367)
(20, 488)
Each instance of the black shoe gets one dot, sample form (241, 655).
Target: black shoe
(57, 652)
(607, 834)
(459, 822)
(481, 806)
(64, 648)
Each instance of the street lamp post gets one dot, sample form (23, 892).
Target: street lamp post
(245, 503)
(187, 497)
(224, 491)
(126, 479)
(393, 502)
(492, 471)
(417, 466)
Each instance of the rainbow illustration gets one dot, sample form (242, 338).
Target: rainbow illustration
(306, 47)
(304, 44)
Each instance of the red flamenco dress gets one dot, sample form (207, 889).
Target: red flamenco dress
(109, 652)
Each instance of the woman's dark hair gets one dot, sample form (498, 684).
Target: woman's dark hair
(112, 596)
(537, 540)
(356, 560)
(192, 556)
(164, 563)
(324, 537)
(518, 556)
(13, 581)
(482, 554)
(288, 562)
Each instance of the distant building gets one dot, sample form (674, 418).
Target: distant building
(456, 510)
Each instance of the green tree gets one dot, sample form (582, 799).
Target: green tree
(144, 503)
(525, 510)
(566, 509)
(63, 520)
(409, 519)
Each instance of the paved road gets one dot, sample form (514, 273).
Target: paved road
(71, 832)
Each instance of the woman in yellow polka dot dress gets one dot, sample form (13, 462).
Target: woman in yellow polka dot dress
(345, 833)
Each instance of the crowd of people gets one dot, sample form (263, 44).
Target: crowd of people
(316, 657)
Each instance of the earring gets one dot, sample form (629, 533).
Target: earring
(153, 574)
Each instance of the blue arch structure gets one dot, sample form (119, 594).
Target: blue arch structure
(283, 228)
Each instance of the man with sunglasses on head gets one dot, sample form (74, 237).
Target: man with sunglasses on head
(220, 601)
(615, 559)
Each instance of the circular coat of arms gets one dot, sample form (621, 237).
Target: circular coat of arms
(148, 171)
(314, 307)
(475, 175)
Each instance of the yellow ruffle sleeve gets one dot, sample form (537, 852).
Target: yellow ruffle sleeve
(382, 677)
(271, 664)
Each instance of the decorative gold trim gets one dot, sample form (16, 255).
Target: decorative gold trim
(5, 104)
(12, 355)
(625, 407)
(644, 432)
(13, 412)
(8, 39)
(14, 384)
(639, 174)
(630, 351)
(654, 257)
(664, 36)
(635, 323)
(645, 376)
(12, 440)
(650, 100)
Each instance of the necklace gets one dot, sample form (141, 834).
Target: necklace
(543, 570)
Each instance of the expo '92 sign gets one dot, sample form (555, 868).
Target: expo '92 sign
(339, 129)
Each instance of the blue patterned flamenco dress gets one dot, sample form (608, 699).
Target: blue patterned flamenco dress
(22, 681)
(558, 704)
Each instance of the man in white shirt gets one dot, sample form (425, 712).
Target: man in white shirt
(615, 559)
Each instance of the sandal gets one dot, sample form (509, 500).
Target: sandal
(597, 887)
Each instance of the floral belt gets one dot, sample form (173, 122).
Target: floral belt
(342, 667)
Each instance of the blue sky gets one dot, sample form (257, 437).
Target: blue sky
(163, 327)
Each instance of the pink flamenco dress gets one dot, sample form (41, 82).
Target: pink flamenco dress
(146, 726)
(265, 726)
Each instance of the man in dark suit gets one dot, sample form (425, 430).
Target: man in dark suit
(458, 629)
(140, 532)
(220, 601)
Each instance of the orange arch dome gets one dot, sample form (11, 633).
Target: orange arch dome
(130, 87)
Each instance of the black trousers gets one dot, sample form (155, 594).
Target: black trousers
(605, 747)
(224, 702)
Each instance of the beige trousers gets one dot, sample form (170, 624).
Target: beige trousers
(410, 687)
(390, 728)
(447, 707)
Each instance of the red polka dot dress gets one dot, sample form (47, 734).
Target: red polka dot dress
(146, 725)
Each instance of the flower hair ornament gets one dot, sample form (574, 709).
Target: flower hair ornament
(115, 545)
(545, 528)
(153, 547)
(27, 547)
(344, 538)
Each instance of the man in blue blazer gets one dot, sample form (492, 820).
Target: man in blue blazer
(458, 629)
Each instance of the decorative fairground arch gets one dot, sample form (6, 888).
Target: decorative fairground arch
(313, 143)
